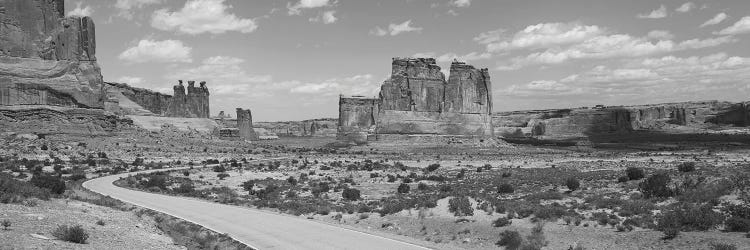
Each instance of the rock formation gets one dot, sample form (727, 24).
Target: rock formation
(137, 101)
(357, 118)
(193, 103)
(47, 58)
(60, 120)
(417, 100)
(245, 124)
(583, 123)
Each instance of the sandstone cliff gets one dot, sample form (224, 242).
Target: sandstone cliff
(138, 101)
(418, 100)
(46, 58)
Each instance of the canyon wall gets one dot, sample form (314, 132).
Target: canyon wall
(581, 123)
(47, 58)
(357, 118)
(138, 101)
(418, 100)
(193, 103)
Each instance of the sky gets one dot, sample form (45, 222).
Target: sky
(291, 59)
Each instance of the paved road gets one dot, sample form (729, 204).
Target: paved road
(257, 229)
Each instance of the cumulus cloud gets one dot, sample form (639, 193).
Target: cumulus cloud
(555, 43)
(395, 29)
(461, 3)
(686, 7)
(296, 9)
(740, 27)
(326, 17)
(541, 35)
(449, 57)
(157, 51)
(661, 12)
(650, 78)
(81, 11)
(354, 85)
(126, 7)
(132, 80)
(715, 20)
(202, 16)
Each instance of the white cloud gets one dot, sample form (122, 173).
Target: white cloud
(661, 12)
(202, 16)
(131, 80)
(461, 3)
(326, 17)
(126, 6)
(353, 85)
(296, 9)
(715, 20)
(80, 11)
(395, 29)
(541, 35)
(740, 27)
(157, 51)
(660, 35)
(449, 57)
(224, 74)
(686, 7)
(649, 78)
(705, 43)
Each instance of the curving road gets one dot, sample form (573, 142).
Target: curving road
(257, 229)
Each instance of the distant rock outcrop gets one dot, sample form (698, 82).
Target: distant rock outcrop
(47, 58)
(417, 100)
(586, 123)
(245, 124)
(193, 103)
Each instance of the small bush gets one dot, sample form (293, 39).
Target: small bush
(623, 179)
(422, 187)
(737, 224)
(511, 240)
(670, 233)
(572, 183)
(501, 222)
(219, 168)
(6, 224)
(433, 167)
(403, 188)
(686, 167)
(657, 186)
(536, 240)
(460, 206)
(723, 246)
(100, 222)
(505, 188)
(52, 183)
(690, 218)
(222, 176)
(351, 194)
(506, 174)
(75, 234)
(634, 173)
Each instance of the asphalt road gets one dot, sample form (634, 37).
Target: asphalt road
(257, 229)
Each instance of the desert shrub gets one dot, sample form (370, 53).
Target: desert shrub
(75, 234)
(603, 218)
(460, 206)
(636, 207)
(501, 222)
(670, 232)
(505, 188)
(511, 240)
(53, 183)
(433, 167)
(292, 181)
(657, 186)
(351, 194)
(403, 188)
(536, 240)
(701, 192)
(186, 173)
(572, 183)
(737, 224)
(623, 179)
(100, 222)
(12, 190)
(546, 195)
(723, 246)
(156, 180)
(248, 185)
(688, 217)
(6, 224)
(391, 178)
(185, 188)
(77, 177)
(686, 167)
(634, 173)
(219, 168)
(222, 175)
(422, 187)
(506, 174)
(552, 212)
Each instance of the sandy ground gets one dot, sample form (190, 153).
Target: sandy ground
(32, 227)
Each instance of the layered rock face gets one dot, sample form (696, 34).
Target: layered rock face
(418, 100)
(323, 127)
(687, 117)
(245, 124)
(138, 101)
(60, 120)
(193, 103)
(357, 118)
(46, 58)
